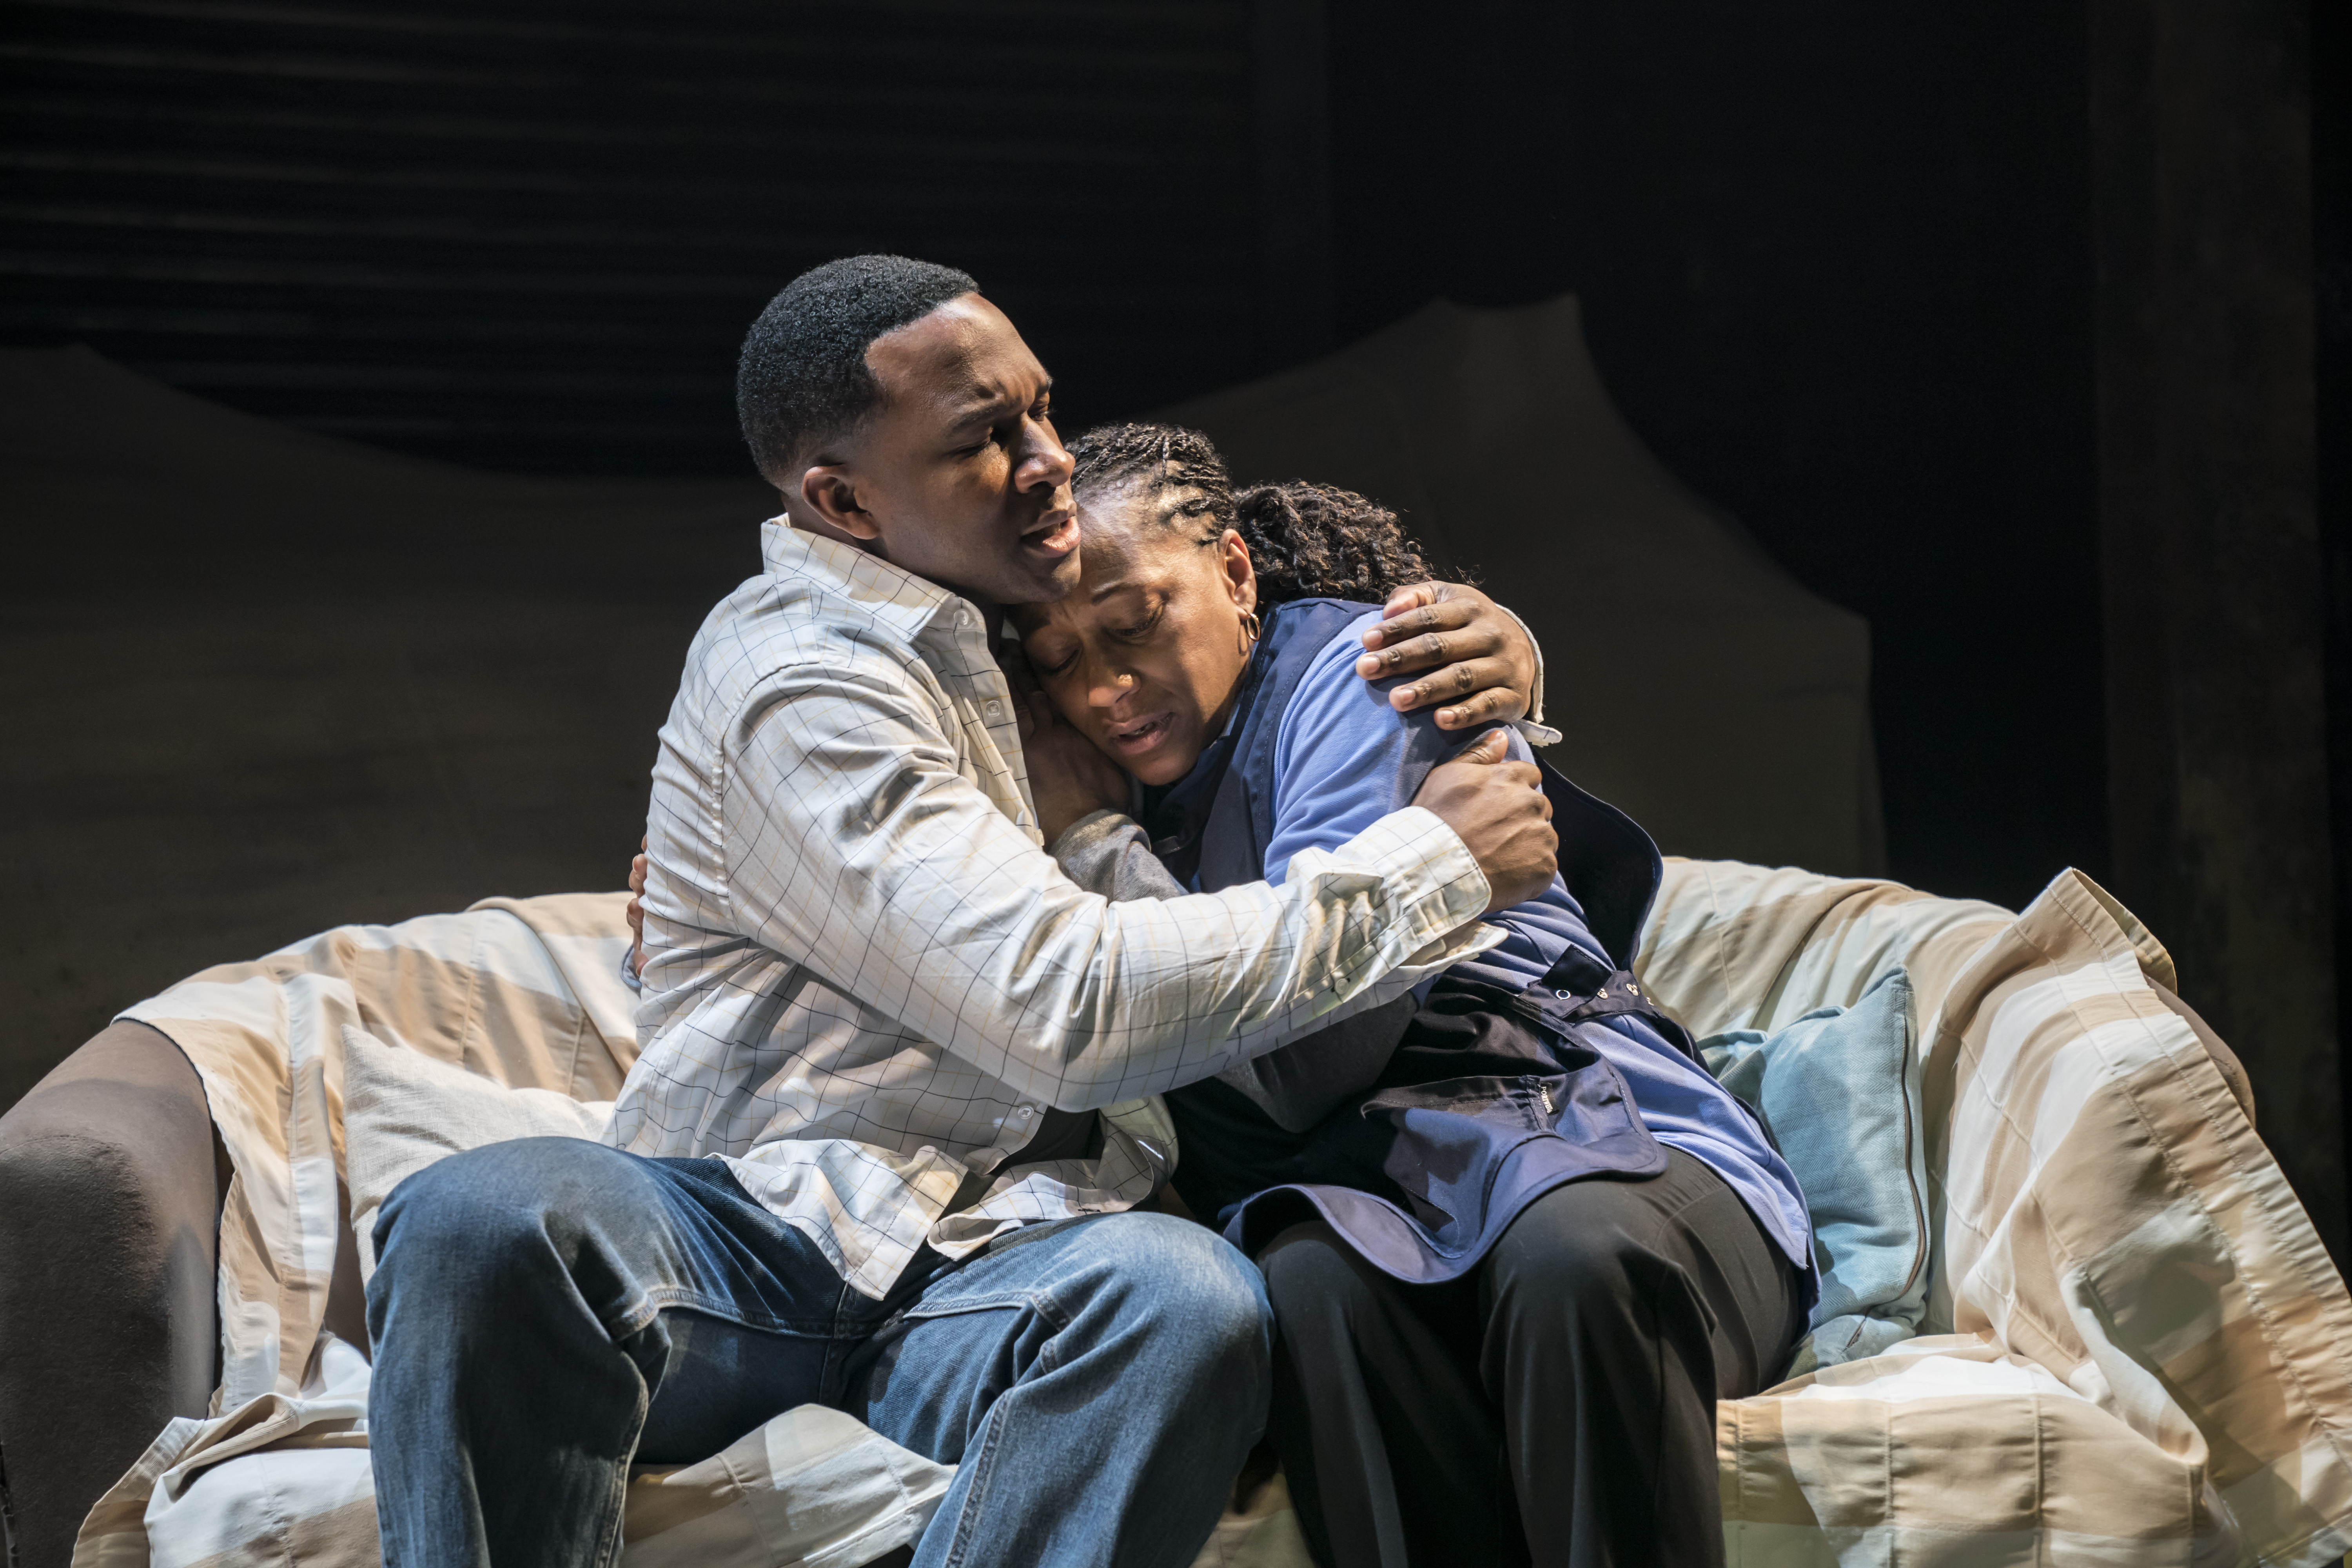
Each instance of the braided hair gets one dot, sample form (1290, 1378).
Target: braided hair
(1306, 540)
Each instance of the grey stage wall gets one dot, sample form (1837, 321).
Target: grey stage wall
(266, 681)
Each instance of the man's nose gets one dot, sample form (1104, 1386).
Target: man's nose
(1045, 463)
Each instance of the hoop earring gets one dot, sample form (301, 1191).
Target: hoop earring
(1250, 629)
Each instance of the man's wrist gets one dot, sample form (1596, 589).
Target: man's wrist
(1447, 888)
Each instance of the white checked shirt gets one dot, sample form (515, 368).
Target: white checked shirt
(865, 977)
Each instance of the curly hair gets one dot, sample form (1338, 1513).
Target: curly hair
(1306, 540)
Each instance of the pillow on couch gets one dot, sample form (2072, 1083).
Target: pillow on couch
(403, 1110)
(1839, 1091)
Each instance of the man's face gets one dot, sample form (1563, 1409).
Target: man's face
(960, 473)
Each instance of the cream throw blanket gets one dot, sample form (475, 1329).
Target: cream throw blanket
(2138, 1353)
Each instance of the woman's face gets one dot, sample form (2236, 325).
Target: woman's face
(1145, 655)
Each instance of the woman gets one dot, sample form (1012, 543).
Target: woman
(1516, 1240)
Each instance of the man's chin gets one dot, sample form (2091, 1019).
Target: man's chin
(1044, 582)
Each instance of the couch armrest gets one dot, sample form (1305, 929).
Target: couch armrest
(110, 1184)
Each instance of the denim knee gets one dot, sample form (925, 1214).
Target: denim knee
(475, 1225)
(1201, 1292)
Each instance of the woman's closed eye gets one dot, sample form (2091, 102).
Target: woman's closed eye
(1138, 629)
(1050, 665)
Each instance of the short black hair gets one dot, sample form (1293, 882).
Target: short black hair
(802, 379)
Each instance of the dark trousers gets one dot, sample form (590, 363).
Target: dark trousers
(1555, 1406)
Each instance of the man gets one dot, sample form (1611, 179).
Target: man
(860, 1160)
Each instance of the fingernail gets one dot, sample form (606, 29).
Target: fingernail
(1367, 665)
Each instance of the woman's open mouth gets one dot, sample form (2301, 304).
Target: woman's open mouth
(1140, 735)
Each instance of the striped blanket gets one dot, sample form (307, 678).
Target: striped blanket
(2137, 1351)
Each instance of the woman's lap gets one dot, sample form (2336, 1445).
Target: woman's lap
(1556, 1402)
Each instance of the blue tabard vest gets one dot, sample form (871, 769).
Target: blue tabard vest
(1490, 1098)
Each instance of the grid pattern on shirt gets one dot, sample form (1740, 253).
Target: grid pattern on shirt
(864, 975)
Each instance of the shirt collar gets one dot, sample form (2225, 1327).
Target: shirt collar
(889, 592)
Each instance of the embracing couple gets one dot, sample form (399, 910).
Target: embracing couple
(980, 982)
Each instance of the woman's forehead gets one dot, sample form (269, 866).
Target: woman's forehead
(1131, 537)
(1138, 501)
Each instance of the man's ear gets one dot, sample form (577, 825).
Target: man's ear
(828, 491)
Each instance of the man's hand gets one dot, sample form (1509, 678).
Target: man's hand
(1499, 810)
(637, 911)
(1068, 775)
(1481, 663)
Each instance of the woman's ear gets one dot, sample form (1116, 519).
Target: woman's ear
(1241, 573)
(828, 491)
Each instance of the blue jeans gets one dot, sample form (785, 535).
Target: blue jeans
(547, 1310)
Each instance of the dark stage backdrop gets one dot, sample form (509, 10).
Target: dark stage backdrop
(528, 235)
(1834, 258)
(1835, 263)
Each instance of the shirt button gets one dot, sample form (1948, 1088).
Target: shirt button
(995, 708)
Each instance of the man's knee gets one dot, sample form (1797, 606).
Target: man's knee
(474, 1222)
(1201, 1296)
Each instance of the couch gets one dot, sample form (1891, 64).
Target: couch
(2135, 1349)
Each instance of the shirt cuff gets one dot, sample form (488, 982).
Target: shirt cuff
(1533, 725)
(1441, 888)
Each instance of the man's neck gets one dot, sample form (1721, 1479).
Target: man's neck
(991, 615)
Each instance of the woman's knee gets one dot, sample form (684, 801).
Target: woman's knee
(1308, 1265)
(1576, 1247)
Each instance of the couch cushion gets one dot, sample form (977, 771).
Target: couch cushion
(1839, 1089)
(403, 1110)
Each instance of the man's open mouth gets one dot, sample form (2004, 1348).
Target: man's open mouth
(1055, 533)
(1138, 735)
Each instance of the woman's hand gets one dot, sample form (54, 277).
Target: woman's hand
(1479, 659)
(1069, 777)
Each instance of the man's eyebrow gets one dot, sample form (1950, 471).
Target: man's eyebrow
(982, 405)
